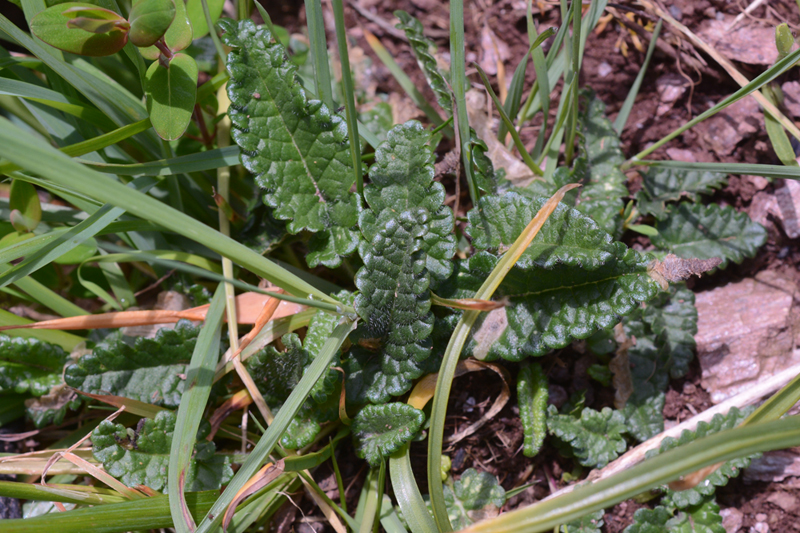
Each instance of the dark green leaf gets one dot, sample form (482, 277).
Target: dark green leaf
(51, 26)
(601, 196)
(408, 242)
(703, 232)
(150, 20)
(148, 370)
(591, 523)
(29, 365)
(662, 185)
(701, 518)
(51, 408)
(424, 50)
(596, 438)
(380, 430)
(297, 149)
(695, 496)
(140, 456)
(171, 95)
(277, 373)
(644, 418)
(650, 521)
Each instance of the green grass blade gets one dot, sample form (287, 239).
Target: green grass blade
(777, 405)
(759, 81)
(199, 378)
(201, 161)
(651, 473)
(139, 515)
(349, 97)
(319, 52)
(33, 154)
(403, 80)
(627, 105)
(70, 239)
(407, 494)
(577, 56)
(52, 492)
(526, 157)
(767, 171)
(287, 412)
(68, 341)
(458, 82)
(45, 296)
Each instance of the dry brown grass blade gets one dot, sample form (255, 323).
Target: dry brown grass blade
(268, 473)
(467, 304)
(240, 400)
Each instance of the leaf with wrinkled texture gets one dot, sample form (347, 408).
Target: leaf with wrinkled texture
(650, 520)
(701, 518)
(719, 478)
(644, 418)
(590, 523)
(424, 50)
(277, 373)
(662, 185)
(380, 430)
(30, 366)
(298, 149)
(407, 243)
(601, 196)
(141, 456)
(475, 490)
(148, 370)
(707, 231)
(596, 438)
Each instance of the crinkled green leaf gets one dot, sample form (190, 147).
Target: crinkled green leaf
(424, 50)
(706, 231)
(319, 329)
(408, 242)
(664, 330)
(475, 490)
(601, 196)
(307, 423)
(30, 366)
(694, 496)
(380, 430)
(701, 518)
(277, 373)
(644, 418)
(662, 185)
(650, 521)
(298, 149)
(148, 370)
(596, 438)
(486, 178)
(51, 408)
(532, 394)
(590, 523)
(140, 456)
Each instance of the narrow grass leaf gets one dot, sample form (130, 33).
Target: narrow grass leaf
(185, 164)
(319, 51)
(627, 105)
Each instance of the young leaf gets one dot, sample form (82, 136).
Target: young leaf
(596, 438)
(719, 478)
(171, 95)
(380, 430)
(650, 520)
(424, 50)
(664, 332)
(178, 36)
(141, 456)
(148, 370)
(590, 523)
(149, 20)
(51, 26)
(701, 518)
(30, 366)
(704, 232)
(297, 149)
(26, 211)
(601, 197)
(571, 281)
(532, 393)
(408, 242)
(662, 185)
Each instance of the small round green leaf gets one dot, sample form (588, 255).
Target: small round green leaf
(178, 36)
(380, 430)
(150, 20)
(26, 211)
(194, 10)
(171, 95)
(73, 27)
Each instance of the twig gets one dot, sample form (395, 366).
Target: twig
(752, 7)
